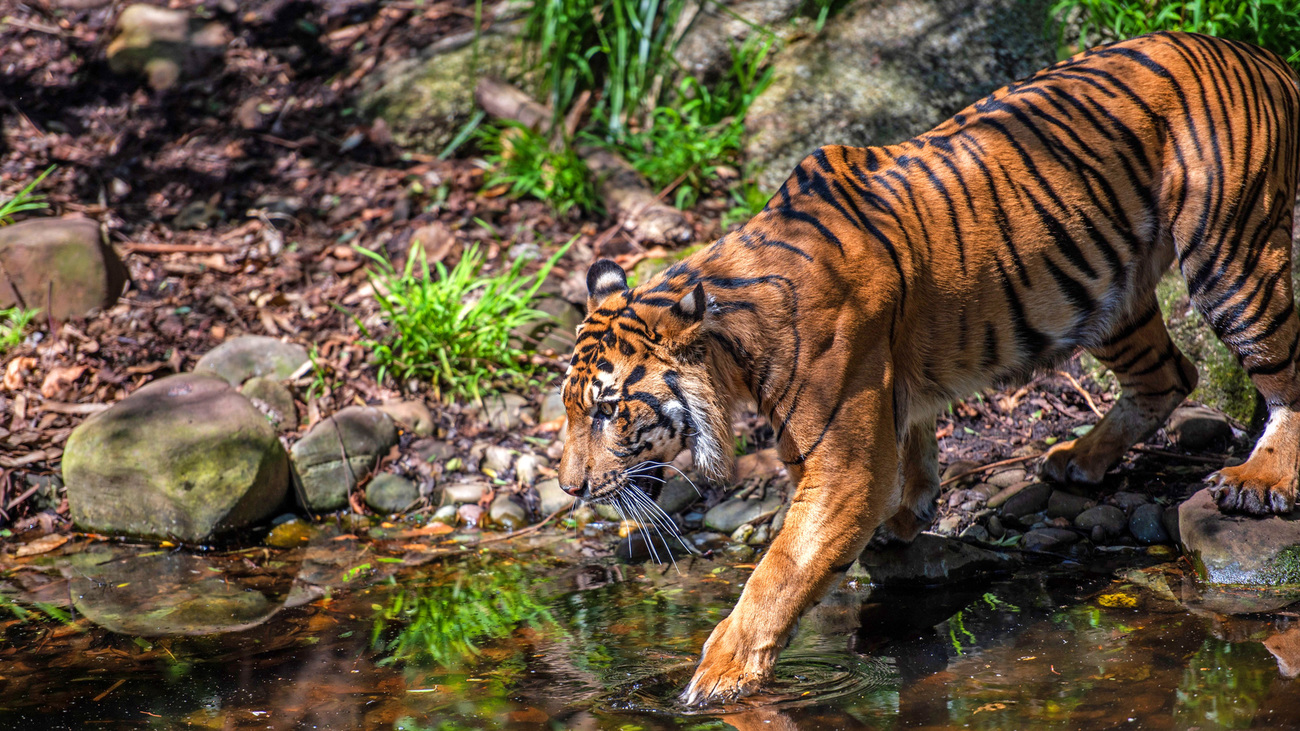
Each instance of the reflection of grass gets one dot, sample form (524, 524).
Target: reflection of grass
(445, 624)
(37, 611)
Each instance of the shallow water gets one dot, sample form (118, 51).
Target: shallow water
(543, 638)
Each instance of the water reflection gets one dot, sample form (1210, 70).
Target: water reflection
(538, 641)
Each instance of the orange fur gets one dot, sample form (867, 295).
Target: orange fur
(880, 283)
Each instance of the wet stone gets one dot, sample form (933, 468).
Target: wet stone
(471, 515)
(388, 493)
(1169, 518)
(291, 534)
(507, 513)
(931, 559)
(445, 515)
(1002, 496)
(553, 498)
(726, 517)
(338, 452)
(676, 495)
(465, 491)
(1127, 501)
(1108, 518)
(975, 533)
(1147, 524)
(1049, 539)
(1031, 499)
(250, 356)
(995, 527)
(1067, 505)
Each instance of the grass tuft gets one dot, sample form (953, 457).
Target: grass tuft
(455, 330)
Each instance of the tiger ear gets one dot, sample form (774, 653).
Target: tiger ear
(687, 316)
(604, 278)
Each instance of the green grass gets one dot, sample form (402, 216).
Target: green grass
(531, 166)
(622, 52)
(26, 200)
(13, 326)
(1273, 24)
(455, 330)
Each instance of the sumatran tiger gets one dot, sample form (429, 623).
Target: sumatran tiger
(880, 283)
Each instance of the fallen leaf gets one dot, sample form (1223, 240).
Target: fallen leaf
(58, 382)
(44, 544)
(16, 373)
(432, 529)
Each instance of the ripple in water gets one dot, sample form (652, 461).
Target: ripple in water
(801, 678)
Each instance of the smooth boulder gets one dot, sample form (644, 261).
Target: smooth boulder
(185, 457)
(1199, 429)
(252, 356)
(60, 266)
(332, 458)
(726, 517)
(1239, 549)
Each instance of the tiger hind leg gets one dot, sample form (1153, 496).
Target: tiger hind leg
(1253, 313)
(1154, 377)
(920, 477)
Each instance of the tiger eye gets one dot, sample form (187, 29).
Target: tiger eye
(606, 409)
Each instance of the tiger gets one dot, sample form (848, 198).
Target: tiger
(881, 283)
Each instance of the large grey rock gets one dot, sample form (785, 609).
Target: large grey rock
(252, 356)
(883, 71)
(333, 457)
(1239, 549)
(726, 517)
(932, 559)
(184, 457)
(428, 99)
(60, 266)
(1199, 428)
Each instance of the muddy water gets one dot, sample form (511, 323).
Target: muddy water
(544, 638)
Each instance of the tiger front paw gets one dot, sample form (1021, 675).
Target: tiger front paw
(1254, 489)
(730, 667)
(1074, 462)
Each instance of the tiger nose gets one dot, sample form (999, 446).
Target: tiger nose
(577, 490)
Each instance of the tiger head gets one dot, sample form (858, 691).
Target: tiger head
(639, 389)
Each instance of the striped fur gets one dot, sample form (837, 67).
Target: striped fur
(880, 283)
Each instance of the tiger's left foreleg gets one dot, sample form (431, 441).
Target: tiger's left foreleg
(848, 485)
